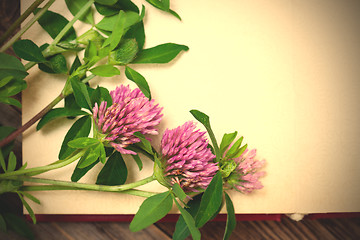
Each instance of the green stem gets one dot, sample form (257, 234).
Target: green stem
(66, 185)
(142, 151)
(18, 21)
(26, 27)
(58, 164)
(134, 192)
(64, 30)
(215, 145)
(71, 23)
(83, 186)
(88, 78)
(29, 65)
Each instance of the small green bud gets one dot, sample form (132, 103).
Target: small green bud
(159, 173)
(93, 36)
(227, 168)
(9, 185)
(233, 179)
(125, 53)
(70, 46)
(52, 50)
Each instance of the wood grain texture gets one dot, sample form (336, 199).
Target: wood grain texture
(9, 12)
(89, 231)
(327, 229)
(341, 228)
(344, 228)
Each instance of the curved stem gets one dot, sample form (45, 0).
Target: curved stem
(61, 33)
(142, 151)
(134, 192)
(83, 186)
(29, 65)
(26, 27)
(215, 144)
(20, 130)
(58, 164)
(20, 20)
(88, 78)
(71, 23)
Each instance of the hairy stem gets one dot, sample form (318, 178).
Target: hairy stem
(134, 192)
(215, 144)
(30, 65)
(83, 186)
(20, 130)
(17, 23)
(36, 170)
(71, 23)
(66, 185)
(26, 27)
(64, 30)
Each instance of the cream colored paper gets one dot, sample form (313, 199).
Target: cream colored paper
(283, 73)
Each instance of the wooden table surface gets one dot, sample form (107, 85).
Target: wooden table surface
(333, 228)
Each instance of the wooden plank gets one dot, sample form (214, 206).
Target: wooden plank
(344, 228)
(88, 231)
(9, 12)
(11, 117)
(121, 231)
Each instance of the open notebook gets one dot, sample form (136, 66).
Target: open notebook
(283, 74)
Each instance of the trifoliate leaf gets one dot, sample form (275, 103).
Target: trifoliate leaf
(75, 6)
(125, 53)
(114, 171)
(91, 155)
(83, 142)
(231, 219)
(78, 173)
(234, 148)
(106, 70)
(163, 53)
(139, 80)
(81, 128)
(190, 222)
(227, 139)
(179, 192)
(151, 210)
(211, 201)
(56, 113)
(12, 88)
(11, 66)
(53, 23)
(10, 101)
(106, 2)
(28, 50)
(11, 162)
(81, 93)
(28, 208)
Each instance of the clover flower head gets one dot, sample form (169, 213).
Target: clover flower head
(187, 158)
(129, 113)
(247, 172)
